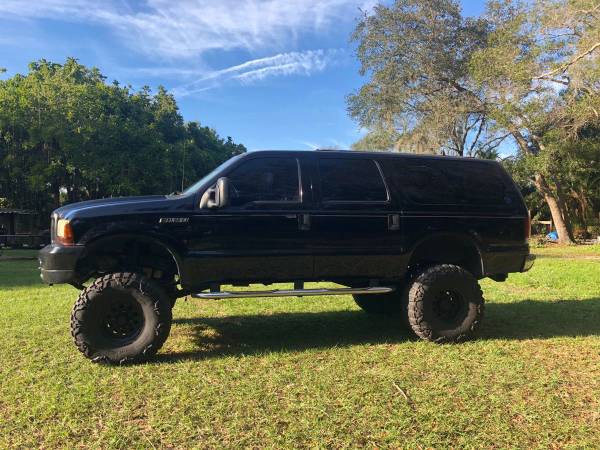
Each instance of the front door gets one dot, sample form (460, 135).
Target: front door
(258, 236)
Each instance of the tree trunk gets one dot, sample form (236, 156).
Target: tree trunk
(558, 216)
(583, 204)
(560, 196)
(557, 206)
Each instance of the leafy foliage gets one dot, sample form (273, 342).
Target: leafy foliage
(66, 135)
(420, 92)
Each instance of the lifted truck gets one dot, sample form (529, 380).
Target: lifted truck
(408, 235)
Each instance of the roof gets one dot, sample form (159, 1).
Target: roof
(362, 154)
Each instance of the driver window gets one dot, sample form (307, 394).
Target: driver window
(265, 180)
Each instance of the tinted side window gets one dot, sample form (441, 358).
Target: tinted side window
(482, 185)
(450, 183)
(265, 180)
(354, 180)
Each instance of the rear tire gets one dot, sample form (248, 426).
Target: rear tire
(445, 304)
(382, 304)
(121, 318)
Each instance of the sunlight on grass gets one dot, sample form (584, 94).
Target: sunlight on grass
(313, 372)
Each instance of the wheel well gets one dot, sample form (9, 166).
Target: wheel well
(452, 249)
(139, 254)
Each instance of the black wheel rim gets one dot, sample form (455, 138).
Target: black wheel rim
(123, 319)
(448, 306)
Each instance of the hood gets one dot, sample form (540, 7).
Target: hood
(124, 205)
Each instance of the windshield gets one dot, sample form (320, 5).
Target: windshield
(198, 185)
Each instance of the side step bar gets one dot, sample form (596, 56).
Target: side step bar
(293, 292)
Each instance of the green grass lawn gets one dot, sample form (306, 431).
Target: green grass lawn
(6, 253)
(313, 372)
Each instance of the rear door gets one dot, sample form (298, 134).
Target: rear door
(356, 230)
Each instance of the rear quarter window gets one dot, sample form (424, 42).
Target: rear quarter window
(451, 182)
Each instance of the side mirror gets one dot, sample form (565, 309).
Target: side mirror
(216, 196)
(223, 190)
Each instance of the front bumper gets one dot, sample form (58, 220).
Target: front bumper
(528, 263)
(58, 263)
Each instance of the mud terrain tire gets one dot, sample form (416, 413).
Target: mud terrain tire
(121, 318)
(445, 304)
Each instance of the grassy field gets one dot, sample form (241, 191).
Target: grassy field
(19, 253)
(313, 372)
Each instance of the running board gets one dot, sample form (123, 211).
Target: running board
(293, 292)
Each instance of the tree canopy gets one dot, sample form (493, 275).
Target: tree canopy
(419, 95)
(67, 135)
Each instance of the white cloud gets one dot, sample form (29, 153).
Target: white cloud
(292, 63)
(303, 63)
(190, 28)
(179, 35)
(333, 145)
(311, 145)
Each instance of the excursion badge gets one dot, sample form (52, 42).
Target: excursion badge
(174, 220)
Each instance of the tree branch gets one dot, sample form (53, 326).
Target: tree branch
(554, 80)
(521, 141)
(565, 66)
(494, 143)
(591, 12)
(481, 124)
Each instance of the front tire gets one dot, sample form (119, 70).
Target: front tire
(121, 318)
(445, 304)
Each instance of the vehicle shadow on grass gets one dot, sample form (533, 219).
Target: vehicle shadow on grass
(283, 332)
(254, 334)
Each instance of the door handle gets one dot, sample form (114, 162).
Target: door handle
(394, 222)
(303, 222)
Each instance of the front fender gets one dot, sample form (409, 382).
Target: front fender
(148, 236)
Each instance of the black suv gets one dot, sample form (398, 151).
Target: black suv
(402, 233)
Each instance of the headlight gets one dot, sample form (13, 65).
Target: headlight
(64, 232)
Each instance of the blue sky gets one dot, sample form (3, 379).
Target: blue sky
(272, 74)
